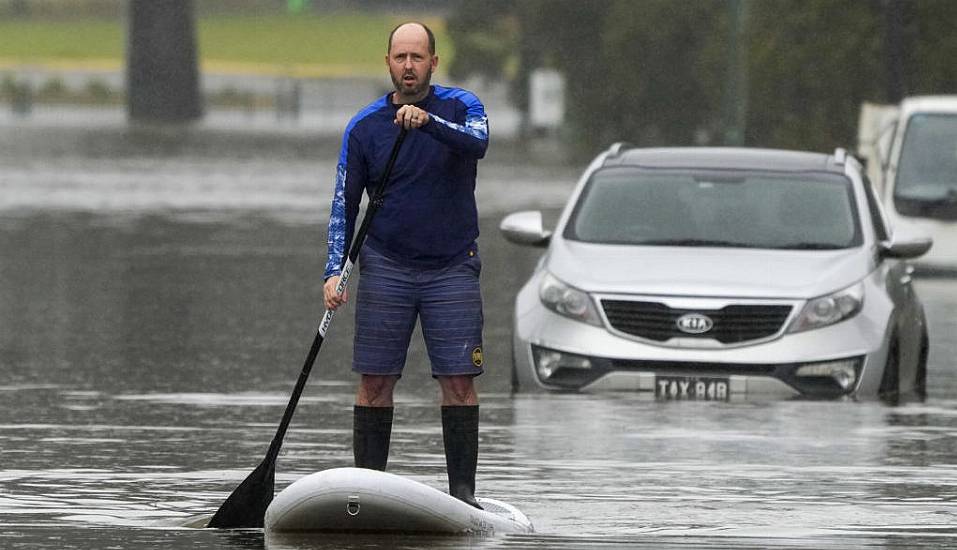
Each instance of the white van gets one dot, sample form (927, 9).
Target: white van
(912, 156)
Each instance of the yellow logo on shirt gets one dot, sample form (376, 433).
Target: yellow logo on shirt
(477, 357)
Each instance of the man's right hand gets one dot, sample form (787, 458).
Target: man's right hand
(332, 299)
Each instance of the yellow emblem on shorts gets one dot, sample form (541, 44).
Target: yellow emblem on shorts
(477, 357)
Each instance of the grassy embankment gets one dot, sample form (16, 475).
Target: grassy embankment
(303, 46)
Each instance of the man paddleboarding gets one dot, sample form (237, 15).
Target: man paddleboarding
(420, 260)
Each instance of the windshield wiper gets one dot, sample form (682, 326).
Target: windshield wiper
(809, 246)
(694, 242)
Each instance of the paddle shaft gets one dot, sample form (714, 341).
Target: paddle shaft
(375, 201)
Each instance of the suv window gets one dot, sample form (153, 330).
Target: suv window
(740, 209)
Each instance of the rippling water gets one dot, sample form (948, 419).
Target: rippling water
(155, 311)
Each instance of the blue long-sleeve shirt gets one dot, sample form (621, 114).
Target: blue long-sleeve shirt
(428, 217)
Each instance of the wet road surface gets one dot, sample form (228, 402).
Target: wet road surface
(155, 310)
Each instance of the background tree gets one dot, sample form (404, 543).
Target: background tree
(654, 72)
(485, 35)
(664, 68)
(162, 70)
(934, 32)
(812, 64)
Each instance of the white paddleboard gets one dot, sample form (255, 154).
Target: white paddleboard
(359, 500)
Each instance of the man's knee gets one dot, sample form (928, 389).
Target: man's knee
(458, 390)
(375, 391)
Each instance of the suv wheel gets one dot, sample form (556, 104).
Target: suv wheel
(890, 381)
(920, 384)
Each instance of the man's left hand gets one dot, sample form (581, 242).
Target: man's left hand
(410, 116)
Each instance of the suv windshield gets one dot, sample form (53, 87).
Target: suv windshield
(627, 205)
(927, 170)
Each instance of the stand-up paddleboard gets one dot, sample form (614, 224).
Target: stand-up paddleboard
(355, 499)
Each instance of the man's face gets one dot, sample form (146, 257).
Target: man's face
(410, 63)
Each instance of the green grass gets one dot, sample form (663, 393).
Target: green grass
(61, 40)
(310, 45)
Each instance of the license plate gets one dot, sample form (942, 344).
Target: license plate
(691, 387)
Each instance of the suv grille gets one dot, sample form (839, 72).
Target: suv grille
(732, 324)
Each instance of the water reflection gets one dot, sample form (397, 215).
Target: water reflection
(146, 358)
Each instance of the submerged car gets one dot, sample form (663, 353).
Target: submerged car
(720, 273)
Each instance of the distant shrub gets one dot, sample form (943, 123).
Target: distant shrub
(8, 86)
(98, 91)
(54, 88)
(231, 97)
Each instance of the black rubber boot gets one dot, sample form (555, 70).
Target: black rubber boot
(460, 433)
(371, 432)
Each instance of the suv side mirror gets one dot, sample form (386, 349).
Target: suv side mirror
(525, 228)
(906, 247)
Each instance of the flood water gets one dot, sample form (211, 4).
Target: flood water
(156, 305)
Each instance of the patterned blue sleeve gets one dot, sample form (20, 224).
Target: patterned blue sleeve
(351, 180)
(337, 221)
(351, 175)
(469, 136)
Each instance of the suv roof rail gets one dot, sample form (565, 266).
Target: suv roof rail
(840, 156)
(617, 148)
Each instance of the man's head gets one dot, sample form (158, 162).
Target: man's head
(411, 60)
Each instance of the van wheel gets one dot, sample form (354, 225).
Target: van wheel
(889, 391)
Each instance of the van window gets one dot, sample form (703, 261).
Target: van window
(927, 168)
(926, 184)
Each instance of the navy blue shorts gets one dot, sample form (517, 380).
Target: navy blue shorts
(447, 302)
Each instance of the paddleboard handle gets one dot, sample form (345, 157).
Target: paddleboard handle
(352, 507)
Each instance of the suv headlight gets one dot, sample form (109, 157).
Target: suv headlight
(567, 301)
(830, 309)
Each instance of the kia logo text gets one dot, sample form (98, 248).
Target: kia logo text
(694, 323)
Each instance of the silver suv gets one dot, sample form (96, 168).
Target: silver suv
(720, 273)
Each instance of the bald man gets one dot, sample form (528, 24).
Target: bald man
(420, 260)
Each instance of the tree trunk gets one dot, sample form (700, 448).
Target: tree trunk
(20, 8)
(894, 50)
(161, 62)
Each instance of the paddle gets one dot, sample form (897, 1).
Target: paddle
(246, 506)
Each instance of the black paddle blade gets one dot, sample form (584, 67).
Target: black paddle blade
(246, 507)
